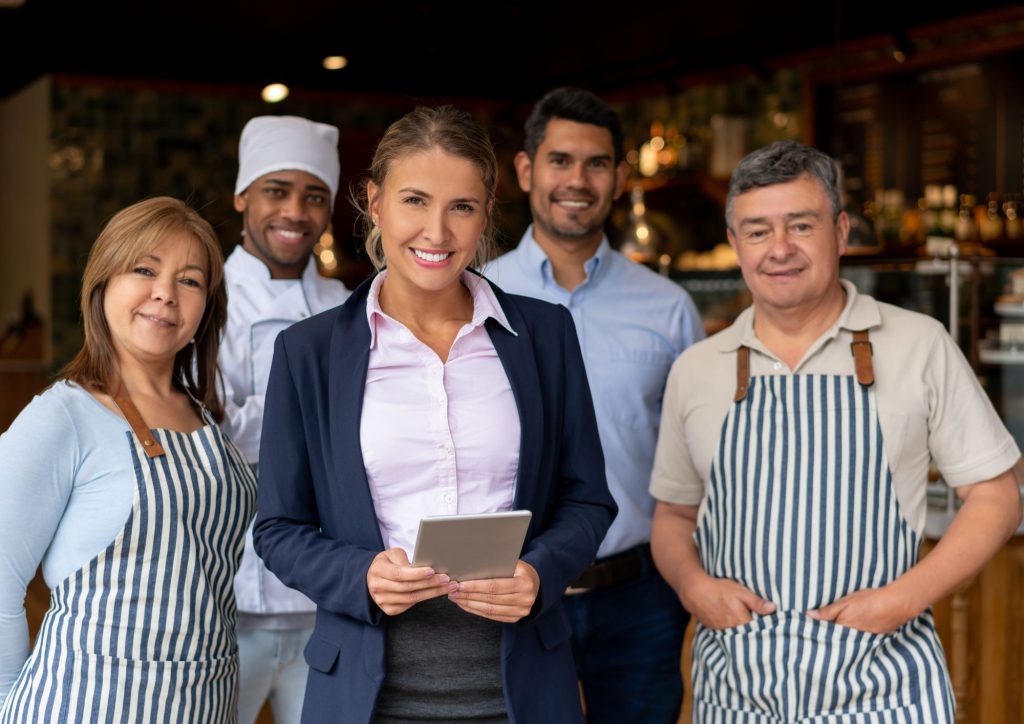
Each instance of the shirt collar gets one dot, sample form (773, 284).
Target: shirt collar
(535, 261)
(485, 304)
(859, 312)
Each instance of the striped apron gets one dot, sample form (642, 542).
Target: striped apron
(145, 631)
(801, 509)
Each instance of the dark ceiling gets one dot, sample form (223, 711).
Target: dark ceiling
(453, 48)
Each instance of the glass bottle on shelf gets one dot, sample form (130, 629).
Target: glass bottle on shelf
(992, 226)
(1012, 210)
(892, 212)
(966, 230)
(950, 209)
(931, 210)
(911, 226)
(639, 241)
(939, 219)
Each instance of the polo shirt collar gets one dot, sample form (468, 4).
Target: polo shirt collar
(860, 312)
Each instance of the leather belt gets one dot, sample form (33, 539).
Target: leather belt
(615, 569)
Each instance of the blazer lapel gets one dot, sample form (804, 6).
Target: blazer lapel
(347, 367)
(517, 357)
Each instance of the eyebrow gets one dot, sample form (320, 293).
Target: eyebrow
(424, 194)
(792, 216)
(288, 184)
(566, 154)
(193, 267)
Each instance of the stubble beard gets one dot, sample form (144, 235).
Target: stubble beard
(568, 233)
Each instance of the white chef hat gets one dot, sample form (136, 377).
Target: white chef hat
(288, 143)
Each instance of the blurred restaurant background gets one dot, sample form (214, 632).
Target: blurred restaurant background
(103, 104)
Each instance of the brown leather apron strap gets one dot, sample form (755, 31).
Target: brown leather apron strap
(742, 373)
(138, 425)
(861, 349)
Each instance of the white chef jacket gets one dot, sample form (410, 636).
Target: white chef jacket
(258, 309)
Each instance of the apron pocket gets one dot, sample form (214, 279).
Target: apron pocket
(790, 666)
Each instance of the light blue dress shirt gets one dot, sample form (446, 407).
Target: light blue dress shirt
(632, 324)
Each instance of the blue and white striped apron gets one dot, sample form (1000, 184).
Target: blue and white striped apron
(145, 631)
(802, 510)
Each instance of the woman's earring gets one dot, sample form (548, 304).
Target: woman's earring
(193, 341)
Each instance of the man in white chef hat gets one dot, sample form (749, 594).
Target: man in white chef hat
(287, 182)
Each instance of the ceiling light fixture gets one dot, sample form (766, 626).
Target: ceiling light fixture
(275, 93)
(335, 62)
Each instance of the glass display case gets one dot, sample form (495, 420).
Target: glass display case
(979, 299)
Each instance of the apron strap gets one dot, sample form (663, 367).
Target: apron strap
(742, 373)
(138, 425)
(862, 350)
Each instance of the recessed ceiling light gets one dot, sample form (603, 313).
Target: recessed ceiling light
(335, 62)
(275, 93)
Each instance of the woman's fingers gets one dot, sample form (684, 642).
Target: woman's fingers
(500, 599)
(395, 586)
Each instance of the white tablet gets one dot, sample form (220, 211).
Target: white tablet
(471, 547)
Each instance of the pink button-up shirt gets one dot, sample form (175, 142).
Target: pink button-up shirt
(437, 438)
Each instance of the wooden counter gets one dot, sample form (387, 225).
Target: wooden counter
(982, 631)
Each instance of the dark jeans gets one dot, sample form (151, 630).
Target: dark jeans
(627, 640)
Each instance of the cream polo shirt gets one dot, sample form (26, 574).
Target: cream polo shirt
(930, 405)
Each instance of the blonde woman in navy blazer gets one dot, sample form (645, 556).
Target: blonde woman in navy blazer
(317, 526)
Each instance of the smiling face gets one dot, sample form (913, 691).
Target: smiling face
(431, 210)
(788, 244)
(284, 214)
(154, 309)
(572, 181)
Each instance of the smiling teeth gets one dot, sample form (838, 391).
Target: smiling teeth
(426, 256)
(290, 234)
(575, 204)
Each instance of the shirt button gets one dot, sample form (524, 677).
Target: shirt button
(448, 497)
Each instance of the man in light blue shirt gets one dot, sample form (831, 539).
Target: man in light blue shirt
(632, 324)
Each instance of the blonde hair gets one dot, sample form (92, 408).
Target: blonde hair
(131, 233)
(423, 129)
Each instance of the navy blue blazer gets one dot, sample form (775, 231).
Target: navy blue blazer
(316, 528)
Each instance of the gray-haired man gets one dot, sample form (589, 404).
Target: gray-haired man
(791, 470)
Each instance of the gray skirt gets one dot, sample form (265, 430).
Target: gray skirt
(443, 665)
